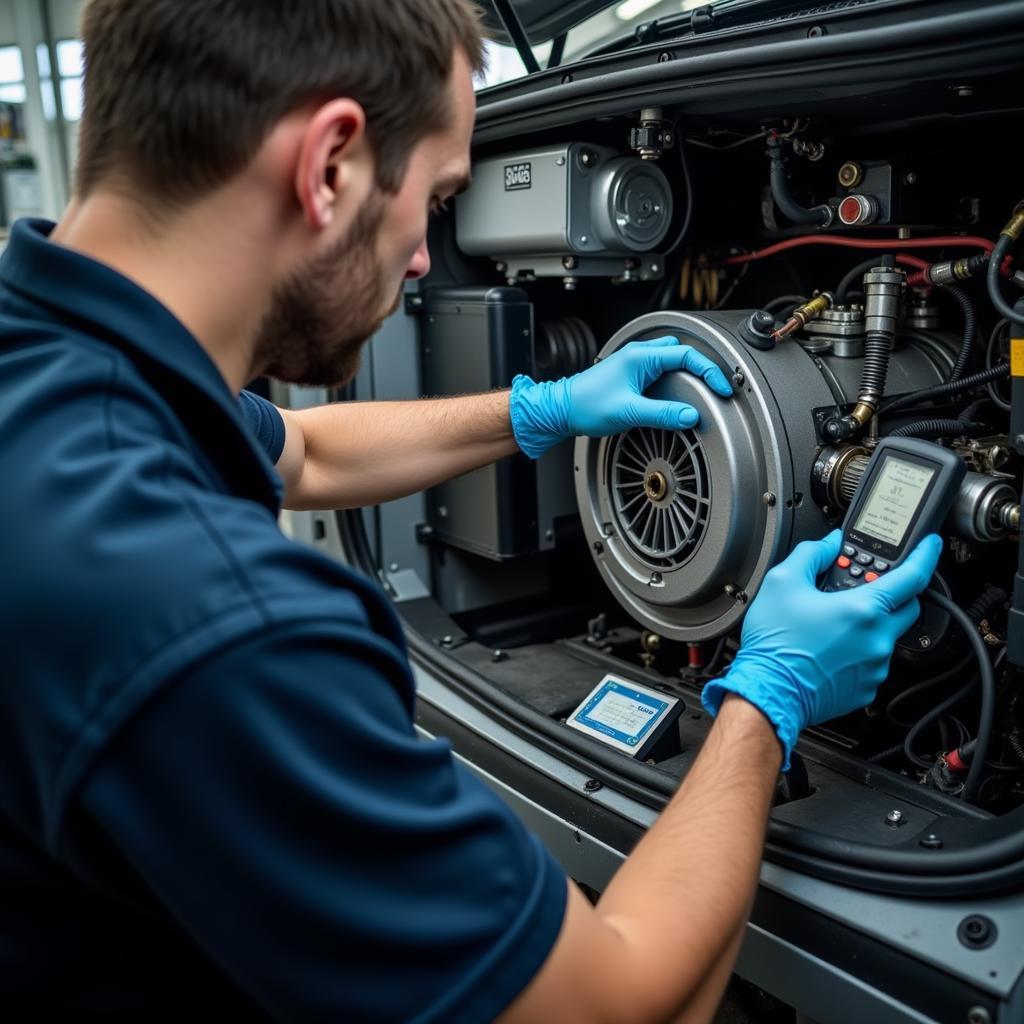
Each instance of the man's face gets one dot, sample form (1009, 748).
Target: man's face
(322, 315)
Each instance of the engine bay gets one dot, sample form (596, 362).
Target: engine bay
(832, 260)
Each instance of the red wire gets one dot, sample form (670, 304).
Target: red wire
(967, 241)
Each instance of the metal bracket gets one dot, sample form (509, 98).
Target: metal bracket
(514, 27)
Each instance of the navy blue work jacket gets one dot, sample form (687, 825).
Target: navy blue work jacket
(213, 803)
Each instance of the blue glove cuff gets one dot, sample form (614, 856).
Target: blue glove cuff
(539, 414)
(768, 690)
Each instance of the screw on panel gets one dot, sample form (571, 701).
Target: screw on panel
(978, 1015)
(925, 641)
(769, 499)
(738, 379)
(963, 91)
(894, 819)
(598, 547)
(570, 262)
(664, 57)
(931, 842)
(815, 32)
(593, 785)
(499, 656)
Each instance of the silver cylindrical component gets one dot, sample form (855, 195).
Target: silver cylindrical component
(977, 513)
(882, 291)
(631, 205)
(849, 479)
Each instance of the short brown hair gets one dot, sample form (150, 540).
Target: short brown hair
(180, 94)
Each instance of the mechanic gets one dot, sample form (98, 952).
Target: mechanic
(212, 796)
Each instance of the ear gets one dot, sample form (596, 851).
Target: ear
(333, 145)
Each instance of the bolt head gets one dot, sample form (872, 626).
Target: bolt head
(894, 817)
(769, 499)
(931, 842)
(664, 57)
(925, 642)
(978, 1015)
(964, 91)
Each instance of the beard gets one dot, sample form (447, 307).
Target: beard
(322, 316)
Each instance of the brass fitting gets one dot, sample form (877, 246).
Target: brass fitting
(808, 311)
(1015, 225)
(851, 174)
(862, 412)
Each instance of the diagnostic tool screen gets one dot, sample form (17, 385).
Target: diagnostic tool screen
(620, 713)
(895, 495)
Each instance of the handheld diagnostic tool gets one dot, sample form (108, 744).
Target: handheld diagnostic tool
(625, 715)
(906, 492)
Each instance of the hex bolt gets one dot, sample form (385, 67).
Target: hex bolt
(499, 656)
(978, 1015)
(925, 642)
(731, 590)
(738, 379)
(931, 842)
(588, 158)
(593, 785)
(664, 57)
(910, 178)
(569, 262)
(656, 579)
(769, 499)
(598, 547)
(894, 819)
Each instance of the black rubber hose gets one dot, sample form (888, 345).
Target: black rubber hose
(884, 755)
(1015, 744)
(1003, 308)
(853, 275)
(927, 719)
(875, 370)
(956, 387)
(938, 428)
(993, 340)
(921, 687)
(986, 603)
(970, 330)
(784, 301)
(819, 215)
(986, 720)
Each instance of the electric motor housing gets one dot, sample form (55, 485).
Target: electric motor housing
(684, 525)
(574, 200)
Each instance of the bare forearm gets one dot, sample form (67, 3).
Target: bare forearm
(681, 899)
(363, 453)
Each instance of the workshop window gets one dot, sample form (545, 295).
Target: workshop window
(70, 68)
(12, 75)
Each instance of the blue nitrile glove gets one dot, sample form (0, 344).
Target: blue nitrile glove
(806, 656)
(608, 398)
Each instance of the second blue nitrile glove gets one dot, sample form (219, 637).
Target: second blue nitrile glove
(806, 656)
(608, 398)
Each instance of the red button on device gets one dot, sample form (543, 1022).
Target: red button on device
(843, 562)
(870, 577)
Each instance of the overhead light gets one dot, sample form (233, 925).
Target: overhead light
(631, 8)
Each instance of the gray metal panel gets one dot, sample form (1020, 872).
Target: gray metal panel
(925, 930)
(490, 221)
